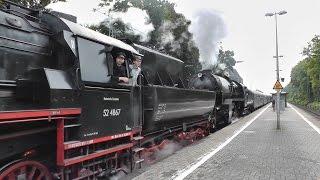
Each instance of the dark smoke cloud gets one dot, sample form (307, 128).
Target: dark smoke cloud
(208, 29)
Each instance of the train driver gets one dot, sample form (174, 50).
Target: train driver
(119, 69)
(135, 69)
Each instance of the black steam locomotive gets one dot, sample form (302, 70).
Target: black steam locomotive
(233, 99)
(62, 116)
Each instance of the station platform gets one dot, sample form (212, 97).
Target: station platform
(250, 148)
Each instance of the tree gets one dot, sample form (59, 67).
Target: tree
(36, 4)
(225, 65)
(298, 88)
(226, 57)
(117, 29)
(304, 87)
(313, 64)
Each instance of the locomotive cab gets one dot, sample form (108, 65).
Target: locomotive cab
(83, 79)
(107, 107)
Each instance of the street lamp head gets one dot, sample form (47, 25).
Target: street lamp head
(269, 14)
(282, 12)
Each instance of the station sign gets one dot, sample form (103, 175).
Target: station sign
(277, 86)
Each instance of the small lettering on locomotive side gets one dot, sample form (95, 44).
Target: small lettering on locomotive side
(56, 112)
(91, 134)
(79, 144)
(111, 99)
(120, 135)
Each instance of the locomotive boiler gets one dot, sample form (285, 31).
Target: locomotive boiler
(230, 95)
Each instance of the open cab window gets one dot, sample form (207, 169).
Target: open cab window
(96, 62)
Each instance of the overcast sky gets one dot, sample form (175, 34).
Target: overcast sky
(250, 34)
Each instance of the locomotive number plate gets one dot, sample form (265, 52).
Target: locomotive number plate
(111, 112)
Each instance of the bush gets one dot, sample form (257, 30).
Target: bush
(314, 106)
(298, 101)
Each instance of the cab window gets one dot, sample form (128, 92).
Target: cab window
(94, 62)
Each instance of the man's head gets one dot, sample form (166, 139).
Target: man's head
(120, 57)
(136, 61)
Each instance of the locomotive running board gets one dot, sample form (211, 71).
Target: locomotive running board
(36, 115)
(68, 162)
(63, 147)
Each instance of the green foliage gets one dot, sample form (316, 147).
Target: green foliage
(313, 65)
(314, 106)
(117, 29)
(304, 87)
(35, 3)
(226, 57)
(299, 86)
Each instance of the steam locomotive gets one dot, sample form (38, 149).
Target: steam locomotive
(233, 99)
(62, 117)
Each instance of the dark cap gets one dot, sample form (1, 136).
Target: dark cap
(135, 58)
(121, 54)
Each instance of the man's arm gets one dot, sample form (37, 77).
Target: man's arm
(124, 79)
(119, 75)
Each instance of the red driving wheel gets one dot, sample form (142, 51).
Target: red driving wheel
(28, 170)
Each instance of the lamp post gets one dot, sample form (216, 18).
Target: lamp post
(277, 58)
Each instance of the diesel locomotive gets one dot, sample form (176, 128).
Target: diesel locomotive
(62, 116)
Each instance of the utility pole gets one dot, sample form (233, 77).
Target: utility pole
(277, 64)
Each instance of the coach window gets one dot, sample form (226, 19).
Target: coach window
(94, 62)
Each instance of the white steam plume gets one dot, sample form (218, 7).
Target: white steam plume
(169, 149)
(208, 29)
(138, 20)
(167, 36)
(166, 33)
